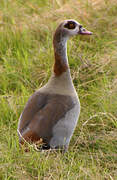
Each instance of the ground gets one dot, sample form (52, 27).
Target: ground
(26, 59)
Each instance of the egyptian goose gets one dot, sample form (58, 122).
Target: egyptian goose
(52, 112)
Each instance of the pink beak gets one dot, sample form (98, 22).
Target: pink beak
(83, 31)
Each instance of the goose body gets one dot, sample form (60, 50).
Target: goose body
(52, 112)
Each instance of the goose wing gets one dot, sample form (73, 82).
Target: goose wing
(41, 113)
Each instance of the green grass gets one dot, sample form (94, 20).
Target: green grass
(26, 59)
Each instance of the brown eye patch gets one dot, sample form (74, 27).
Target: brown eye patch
(70, 25)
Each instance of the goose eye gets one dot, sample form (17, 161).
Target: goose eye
(70, 25)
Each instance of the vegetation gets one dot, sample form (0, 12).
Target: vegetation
(26, 58)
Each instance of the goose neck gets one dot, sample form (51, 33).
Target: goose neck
(60, 53)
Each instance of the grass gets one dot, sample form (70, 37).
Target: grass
(26, 58)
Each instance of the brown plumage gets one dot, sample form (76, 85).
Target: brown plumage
(59, 66)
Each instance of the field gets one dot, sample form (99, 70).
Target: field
(26, 60)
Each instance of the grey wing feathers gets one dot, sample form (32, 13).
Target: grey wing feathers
(34, 104)
(41, 113)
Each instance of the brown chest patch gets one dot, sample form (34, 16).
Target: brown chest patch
(59, 66)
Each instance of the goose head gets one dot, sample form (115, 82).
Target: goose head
(70, 28)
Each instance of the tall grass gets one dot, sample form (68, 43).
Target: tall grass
(26, 59)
